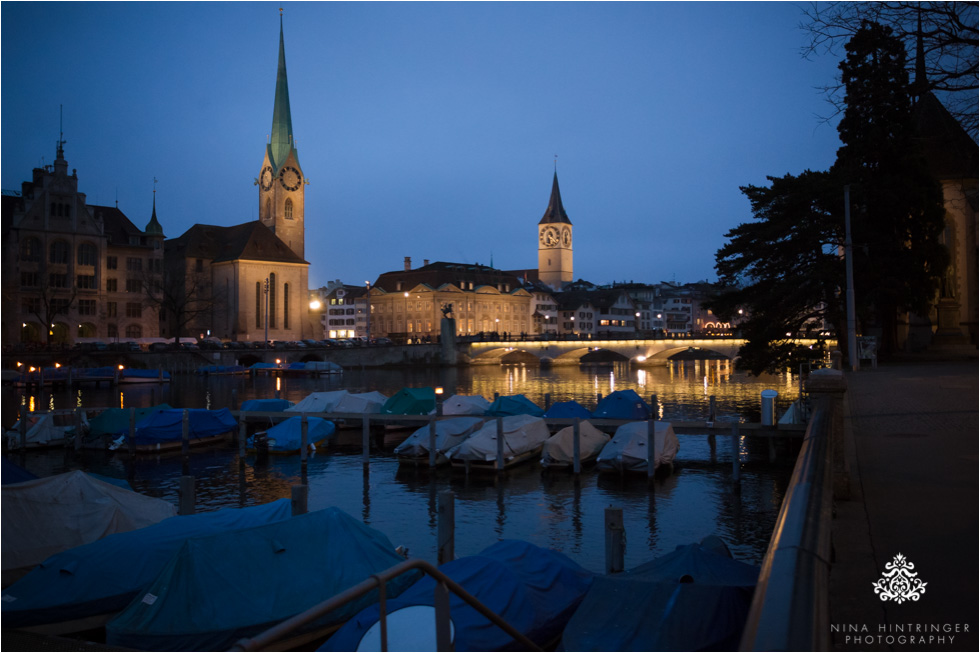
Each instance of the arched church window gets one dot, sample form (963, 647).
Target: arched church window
(288, 209)
(272, 300)
(258, 304)
(285, 306)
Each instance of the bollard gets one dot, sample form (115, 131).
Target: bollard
(446, 545)
(300, 499)
(651, 451)
(186, 494)
(241, 439)
(769, 407)
(615, 540)
(736, 460)
(500, 444)
(366, 440)
(432, 444)
(132, 431)
(576, 447)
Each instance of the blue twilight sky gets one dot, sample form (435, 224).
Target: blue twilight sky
(428, 129)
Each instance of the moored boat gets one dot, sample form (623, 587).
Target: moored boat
(628, 451)
(506, 405)
(45, 430)
(523, 437)
(559, 449)
(465, 405)
(163, 430)
(448, 433)
(622, 404)
(286, 437)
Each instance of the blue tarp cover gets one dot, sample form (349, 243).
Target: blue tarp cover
(266, 405)
(226, 586)
(113, 421)
(13, 473)
(568, 410)
(167, 425)
(535, 590)
(648, 609)
(622, 404)
(288, 435)
(104, 576)
(505, 406)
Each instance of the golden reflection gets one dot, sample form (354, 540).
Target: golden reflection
(78, 399)
(51, 402)
(32, 407)
(121, 397)
(278, 383)
(641, 378)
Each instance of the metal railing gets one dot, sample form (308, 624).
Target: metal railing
(443, 586)
(790, 608)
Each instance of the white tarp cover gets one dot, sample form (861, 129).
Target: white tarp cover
(465, 405)
(362, 402)
(627, 451)
(45, 516)
(522, 433)
(319, 402)
(449, 433)
(42, 430)
(559, 449)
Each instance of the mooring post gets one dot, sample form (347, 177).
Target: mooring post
(651, 449)
(547, 400)
(598, 399)
(132, 431)
(500, 445)
(304, 444)
(186, 494)
(615, 540)
(440, 602)
(446, 546)
(299, 500)
(576, 447)
(654, 407)
(241, 438)
(366, 440)
(432, 444)
(736, 460)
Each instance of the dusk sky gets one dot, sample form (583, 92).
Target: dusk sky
(428, 129)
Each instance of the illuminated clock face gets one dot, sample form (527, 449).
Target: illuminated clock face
(290, 178)
(566, 237)
(265, 179)
(550, 237)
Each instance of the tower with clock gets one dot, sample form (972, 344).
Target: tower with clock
(555, 242)
(281, 182)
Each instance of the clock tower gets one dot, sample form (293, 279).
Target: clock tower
(281, 182)
(555, 242)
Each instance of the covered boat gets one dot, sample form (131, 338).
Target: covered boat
(222, 587)
(314, 368)
(85, 586)
(411, 401)
(319, 402)
(449, 433)
(535, 590)
(523, 438)
(514, 405)
(628, 450)
(567, 410)
(164, 429)
(559, 449)
(465, 405)
(266, 405)
(694, 599)
(127, 375)
(45, 430)
(287, 436)
(114, 421)
(361, 402)
(44, 516)
(622, 404)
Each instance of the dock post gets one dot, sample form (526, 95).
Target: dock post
(132, 431)
(736, 460)
(299, 501)
(615, 540)
(366, 440)
(432, 444)
(444, 640)
(547, 400)
(446, 546)
(185, 440)
(598, 399)
(241, 439)
(712, 403)
(186, 494)
(651, 451)
(78, 428)
(304, 444)
(500, 445)
(654, 407)
(576, 447)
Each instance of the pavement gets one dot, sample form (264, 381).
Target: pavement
(911, 447)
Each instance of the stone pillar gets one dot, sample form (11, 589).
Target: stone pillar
(826, 388)
(447, 338)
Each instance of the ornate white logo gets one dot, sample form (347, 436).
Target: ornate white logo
(899, 583)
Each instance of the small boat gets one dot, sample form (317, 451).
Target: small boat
(44, 516)
(696, 598)
(43, 376)
(622, 404)
(84, 587)
(278, 570)
(45, 430)
(559, 449)
(628, 450)
(319, 402)
(465, 405)
(514, 405)
(266, 405)
(287, 437)
(448, 433)
(163, 430)
(312, 368)
(221, 370)
(113, 422)
(410, 401)
(536, 590)
(128, 375)
(524, 435)
(567, 410)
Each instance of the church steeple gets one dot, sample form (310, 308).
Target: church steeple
(281, 141)
(153, 227)
(555, 211)
(555, 242)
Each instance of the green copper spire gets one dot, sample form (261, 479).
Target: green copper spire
(281, 142)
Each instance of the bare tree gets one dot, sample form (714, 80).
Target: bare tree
(49, 302)
(179, 297)
(949, 46)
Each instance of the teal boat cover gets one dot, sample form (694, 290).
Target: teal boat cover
(266, 405)
(508, 405)
(622, 404)
(287, 436)
(223, 587)
(167, 425)
(410, 401)
(103, 576)
(536, 590)
(113, 421)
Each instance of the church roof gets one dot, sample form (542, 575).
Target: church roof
(117, 227)
(252, 241)
(948, 149)
(153, 227)
(440, 273)
(555, 211)
(281, 141)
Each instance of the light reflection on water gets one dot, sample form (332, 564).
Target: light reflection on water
(550, 509)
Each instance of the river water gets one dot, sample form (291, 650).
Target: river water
(553, 509)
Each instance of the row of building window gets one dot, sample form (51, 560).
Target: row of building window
(59, 252)
(273, 305)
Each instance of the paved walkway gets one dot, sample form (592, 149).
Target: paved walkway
(911, 442)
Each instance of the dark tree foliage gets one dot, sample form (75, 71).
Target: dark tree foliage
(897, 210)
(948, 33)
(783, 270)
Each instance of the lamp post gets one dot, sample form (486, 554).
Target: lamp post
(367, 327)
(406, 317)
(315, 306)
(266, 290)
